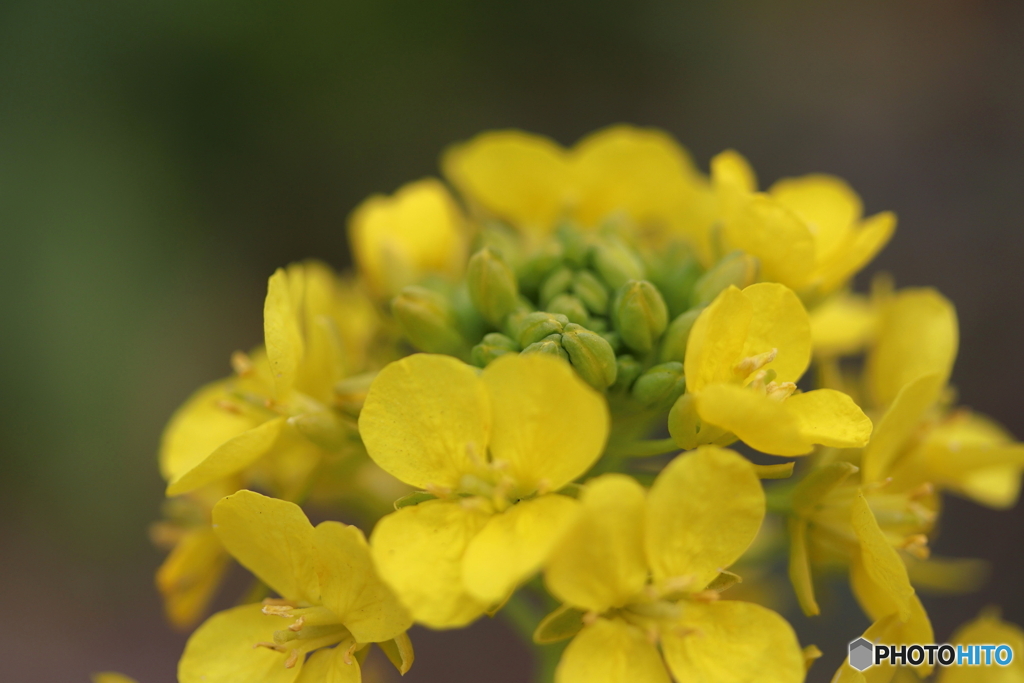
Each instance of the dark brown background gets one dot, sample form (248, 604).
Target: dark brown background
(158, 160)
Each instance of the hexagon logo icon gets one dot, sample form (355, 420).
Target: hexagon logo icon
(861, 654)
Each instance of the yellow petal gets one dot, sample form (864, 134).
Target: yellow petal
(190, 575)
(611, 652)
(641, 172)
(881, 562)
(830, 418)
(222, 650)
(717, 340)
(516, 176)
(514, 544)
(889, 629)
(271, 538)
(207, 420)
(782, 242)
(899, 423)
(732, 642)
(731, 169)
(398, 240)
(111, 677)
(825, 203)
(854, 252)
(760, 422)
(600, 563)
(350, 587)
(703, 512)
(779, 322)
(329, 666)
(987, 629)
(549, 425)
(427, 420)
(282, 329)
(843, 325)
(230, 457)
(418, 551)
(919, 336)
(947, 575)
(800, 567)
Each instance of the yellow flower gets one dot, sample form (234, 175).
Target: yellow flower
(398, 240)
(331, 597)
(493, 446)
(807, 232)
(641, 566)
(988, 629)
(533, 183)
(744, 354)
(280, 401)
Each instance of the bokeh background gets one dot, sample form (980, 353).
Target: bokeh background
(158, 160)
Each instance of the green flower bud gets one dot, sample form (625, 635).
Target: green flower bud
(590, 291)
(571, 307)
(612, 337)
(640, 315)
(660, 386)
(674, 274)
(735, 269)
(591, 355)
(536, 268)
(427, 321)
(627, 370)
(493, 345)
(467, 318)
(492, 285)
(673, 344)
(574, 245)
(598, 325)
(552, 344)
(617, 263)
(535, 326)
(556, 283)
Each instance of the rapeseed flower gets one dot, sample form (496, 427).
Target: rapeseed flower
(642, 568)
(332, 604)
(743, 357)
(494, 447)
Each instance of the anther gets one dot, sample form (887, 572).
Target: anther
(779, 391)
(293, 658)
(753, 363)
(297, 626)
(241, 363)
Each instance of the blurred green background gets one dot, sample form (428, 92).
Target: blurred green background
(158, 161)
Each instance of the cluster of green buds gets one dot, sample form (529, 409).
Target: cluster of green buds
(620, 314)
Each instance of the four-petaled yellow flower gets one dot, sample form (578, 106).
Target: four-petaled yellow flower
(494, 447)
(642, 567)
(808, 233)
(332, 603)
(745, 353)
(401, 239)
(641, 175)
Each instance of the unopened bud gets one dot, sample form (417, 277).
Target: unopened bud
(591, 355)
(612, 337)
(552, 345)
(640, 315)
(660, 386)
(556, 283)
(535, 269)
(590, 291)
(571, 307)
(617, 263)
(673, 344)
(427, 321)
(675, 273)
(627, 370)
(492, 285)
(493, 345)
(574, 245)
(535, 326)
(598, 325)
(737, 269)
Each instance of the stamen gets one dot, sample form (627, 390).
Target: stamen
(917, 545)
(780, 391)
(241, 363)
(270, 646)
(705, 596)
(293, 658)
(754, 363)
(299, 623)
(590, 618)
(229, 407)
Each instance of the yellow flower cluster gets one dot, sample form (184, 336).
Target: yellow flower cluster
(525, 393)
